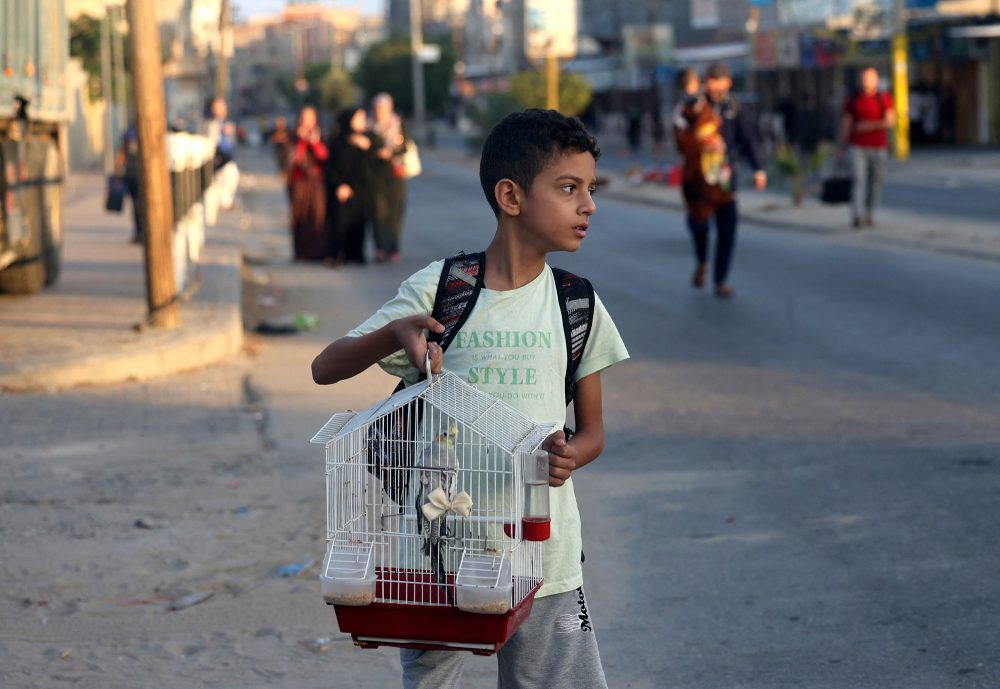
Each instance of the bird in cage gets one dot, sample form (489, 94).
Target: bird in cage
(437, 484)
(389, 452)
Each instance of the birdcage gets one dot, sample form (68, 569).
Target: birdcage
(437, 503)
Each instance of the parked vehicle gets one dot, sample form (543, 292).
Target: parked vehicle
(34, 111)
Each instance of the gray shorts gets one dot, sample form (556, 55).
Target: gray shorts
(555, 648)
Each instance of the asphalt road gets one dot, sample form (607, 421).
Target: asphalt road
(959, 199)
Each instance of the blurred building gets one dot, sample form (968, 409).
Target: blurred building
(191, 39)
(780, 53)
(272, 50)
(439, 17)
(805, 48)
(492, 46)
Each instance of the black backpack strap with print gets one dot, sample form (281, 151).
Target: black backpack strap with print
(576, 301)
(458, 289)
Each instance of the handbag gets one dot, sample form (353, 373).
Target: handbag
(837, 185)
(836, 189)
(115, 199)
(411, 166)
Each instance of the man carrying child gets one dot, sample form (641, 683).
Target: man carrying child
(712, 132)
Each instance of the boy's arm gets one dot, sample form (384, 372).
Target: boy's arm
(587, 443)
(349, 356)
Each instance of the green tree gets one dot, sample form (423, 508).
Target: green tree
(386, 66)
(486, 111)
(575, 92)
(85, 44)
(329, 88)
(337, 91)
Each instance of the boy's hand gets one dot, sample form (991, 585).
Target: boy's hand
(562, 459)
(412, 338)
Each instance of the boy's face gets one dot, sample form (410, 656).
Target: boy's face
(556, 211)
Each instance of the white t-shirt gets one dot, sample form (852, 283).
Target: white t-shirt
(513, 347)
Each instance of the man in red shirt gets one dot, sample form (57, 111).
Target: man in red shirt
(868, 116)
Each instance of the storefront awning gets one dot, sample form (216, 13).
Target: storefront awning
(710, 53)
(975, 31)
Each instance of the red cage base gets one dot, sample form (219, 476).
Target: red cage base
(431, 627)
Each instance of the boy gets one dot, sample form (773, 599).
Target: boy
(538, 173)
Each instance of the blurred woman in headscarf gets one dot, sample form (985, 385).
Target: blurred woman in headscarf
(348, 183)
(389, 185)
(306, 189)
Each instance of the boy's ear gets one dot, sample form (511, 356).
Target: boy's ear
(508, 196)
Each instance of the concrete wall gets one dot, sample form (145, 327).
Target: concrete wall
(86, 125)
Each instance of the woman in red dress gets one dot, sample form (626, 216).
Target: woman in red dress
(306, 190)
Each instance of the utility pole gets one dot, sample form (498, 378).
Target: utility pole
(417, 46)
(107, 93)
(551, 82)
(151, 124)
(901, 81)
(222, 62)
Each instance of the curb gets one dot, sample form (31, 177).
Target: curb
(211, 329)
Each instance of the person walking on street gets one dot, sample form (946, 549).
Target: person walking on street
(718, 131)
(127, 164)
(389, 183)
(348, 184)
(222, 131)
(864, 128)
(306, 189)
(690, 112)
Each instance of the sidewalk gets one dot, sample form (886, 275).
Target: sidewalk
(85, 329)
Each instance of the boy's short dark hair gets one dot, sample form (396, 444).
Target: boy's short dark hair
(523, 143)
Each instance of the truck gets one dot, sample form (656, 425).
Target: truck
(34, 113)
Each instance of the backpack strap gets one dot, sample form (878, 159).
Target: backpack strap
(576, 302)
(458, 289)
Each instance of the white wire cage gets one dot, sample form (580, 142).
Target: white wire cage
(425, 502)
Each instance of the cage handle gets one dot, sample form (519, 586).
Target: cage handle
(427, 365)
